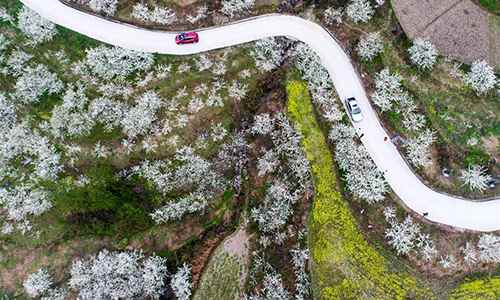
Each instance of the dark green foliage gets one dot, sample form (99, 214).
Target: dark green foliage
(107, 206)
(476, 156)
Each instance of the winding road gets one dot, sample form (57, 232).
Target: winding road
(441, 208)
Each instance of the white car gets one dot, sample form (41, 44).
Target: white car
(354, 110)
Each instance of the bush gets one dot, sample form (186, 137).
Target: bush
(106, 205)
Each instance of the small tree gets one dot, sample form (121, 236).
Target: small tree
(475, 178)
(402, 236)
(36, 28)
(233, 8)
(370, 46)
(423, 54)
(360, 11)
(106, 7)
(489, 248)
(38, 283)
(181, 282)
(481, 77)
(333, 16)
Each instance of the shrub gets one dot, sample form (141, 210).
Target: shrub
(423, 54)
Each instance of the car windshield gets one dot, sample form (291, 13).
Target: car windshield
(181, 36)
(355, 108)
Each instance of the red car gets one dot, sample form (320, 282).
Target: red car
(186, 38)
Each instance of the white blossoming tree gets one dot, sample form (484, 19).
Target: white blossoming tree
(268, 53)
(36, 28)
(475, 178)
(423, 54)
(159, 15)
(333, 16)
(234, 8)
(481, 77)
(114, 275)
(106, 7)
(402, 236)
(36, 81)
(419, 149)
(111, 62)
(388, 90)
(38, 283)
(360, 11)
(489, 248)
(181, 283)
(370, 46)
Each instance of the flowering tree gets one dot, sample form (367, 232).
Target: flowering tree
(272, 288)
(419, 148)
(159, 15)
(489, 248)
(268, 53)
(423, 54)
(114, 275)
(263, 124)
(333, 16)
(470, 253)
(108, 112)
(388, 90)
(138, 119)
(36, 28)
(181, 282)
(475, 178)
(370, 46)
(71, 117)
(233, 8)
(106, 7)
(402, 236)
(35, 82)
(300, 258)
(481, 77)
(38, 283)
(360, 11)
(108, 63)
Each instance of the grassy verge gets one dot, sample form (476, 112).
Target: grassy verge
(344, 265)
(221, 279)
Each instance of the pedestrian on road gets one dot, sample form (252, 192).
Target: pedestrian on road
(385, 139)
(426, 214)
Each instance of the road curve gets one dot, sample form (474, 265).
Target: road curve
(441, 208)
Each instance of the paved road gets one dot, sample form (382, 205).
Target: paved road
(444, 209)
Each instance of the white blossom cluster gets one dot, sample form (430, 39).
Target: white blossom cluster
(138, 119)
(106, 7)
(234, 8)
(489, 248)
(363, 177)
(333, 16)
(16, 63)
(360, 11)
(159, 15)
(36, 28)
(118, 275)
(418, 148)
(300, 258)
(370, 46)
(35, 82)
(107, 112)
(40, 285)
(288, 162)
(272, 288)
(388, 90)
(476, 178)
(181, 283)
(110, 62)
(407, 236)
(268, 53)
(188, 171)
(7, 114)
(71, 117)
(423, 54)
(481, 77)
